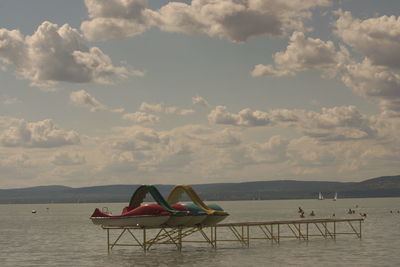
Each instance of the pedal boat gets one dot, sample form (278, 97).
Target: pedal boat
(198, 215)
(179, 215)
(142, 216)
(215, 213)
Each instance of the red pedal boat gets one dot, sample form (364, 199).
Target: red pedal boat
(151, 215)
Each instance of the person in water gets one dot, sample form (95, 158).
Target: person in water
(350, 211)
(312, 213)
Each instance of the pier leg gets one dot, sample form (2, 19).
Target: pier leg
(212, 237)
(242, 234)
(272, 233)
(144, 240)
(334, 230)
(299, 231)
(108, 241)
(279, 237)
(307, 231)
(215, 237)
(180, 239)
(248, 236)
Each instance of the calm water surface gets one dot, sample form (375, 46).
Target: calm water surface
(63, 235)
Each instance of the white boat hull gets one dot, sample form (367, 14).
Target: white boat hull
(138, 221)
(213, 219)
(196, 219)
(178, 220)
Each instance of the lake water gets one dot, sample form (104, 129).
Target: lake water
(63, 235)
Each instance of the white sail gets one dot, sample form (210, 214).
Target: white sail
(335, 197)
(320, 196)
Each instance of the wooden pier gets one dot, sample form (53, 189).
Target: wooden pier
(240, 233)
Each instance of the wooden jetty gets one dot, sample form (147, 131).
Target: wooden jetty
(241, 233)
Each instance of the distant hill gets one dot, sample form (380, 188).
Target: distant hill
(387, 186)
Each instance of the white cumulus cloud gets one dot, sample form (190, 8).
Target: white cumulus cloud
(246, 117)
(115, 18)
(198, 100)
(84, 99)
(160, 108)
(303, 54)
(141, 117)
(57, 54)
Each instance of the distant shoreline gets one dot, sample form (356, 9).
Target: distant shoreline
(380, 187)
(124, 202)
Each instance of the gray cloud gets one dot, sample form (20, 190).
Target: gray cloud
(273, 151)
(8, 100)
(136, 138)
(8, 121)
(338, 123)
(331, 124)
(374, 82)
(67, 159)
(235, 20)
(223, 138)
(377, 76)
(44, 134)
(378, 39)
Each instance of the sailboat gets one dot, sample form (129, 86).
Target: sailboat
(320, 196)
(335, 197)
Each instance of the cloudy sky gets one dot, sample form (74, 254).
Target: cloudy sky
(97, 92)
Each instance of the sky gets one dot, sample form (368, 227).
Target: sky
(98, 92)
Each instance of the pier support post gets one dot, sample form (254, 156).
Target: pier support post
(180, 238)
(144, 240)
(212, 237)
(307, 231)
(334, 230)
(108, 241)
(279, 235)
(248, 236)
(215, 236)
